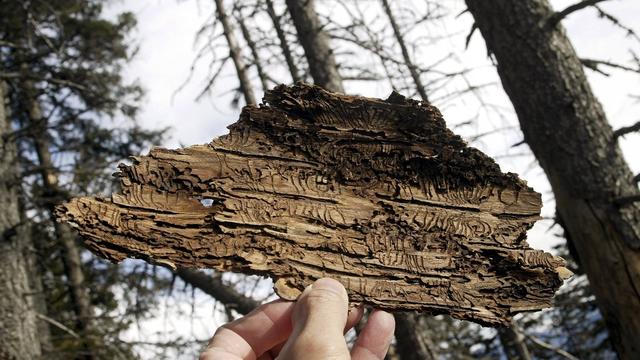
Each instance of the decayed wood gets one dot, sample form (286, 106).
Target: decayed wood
(377, 194)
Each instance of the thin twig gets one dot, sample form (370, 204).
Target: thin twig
(58, 325)
(594, 65)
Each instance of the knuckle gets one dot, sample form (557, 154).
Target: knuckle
(323, 296)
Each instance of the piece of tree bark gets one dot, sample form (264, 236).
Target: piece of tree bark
(18, 323)
(379, 195)
(567, 130)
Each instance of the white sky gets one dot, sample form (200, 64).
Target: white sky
(165, 34)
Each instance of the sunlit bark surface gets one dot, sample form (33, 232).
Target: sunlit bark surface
(377, 194)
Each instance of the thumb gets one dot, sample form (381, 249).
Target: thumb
(319, 318)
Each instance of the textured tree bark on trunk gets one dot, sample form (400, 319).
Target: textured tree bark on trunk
(379, 195)
(284, 45)
(567, 129)
(322, 63)
(18, 322)
(415, 75)
(236, 54)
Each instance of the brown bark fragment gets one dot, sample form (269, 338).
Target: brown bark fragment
(377, 194)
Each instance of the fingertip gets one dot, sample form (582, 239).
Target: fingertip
(384, 321)
(375, 338)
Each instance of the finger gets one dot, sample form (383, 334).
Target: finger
(319, 318)
(373, 342)
(354, 317)
(253, 334)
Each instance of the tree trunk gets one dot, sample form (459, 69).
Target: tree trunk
(513, 343)
(415, 75)
(567, 129)
(70, 250)
(411, 341)
(18, 323)
(284, 45)
(246, 34)
(322, 63)
(236, 54)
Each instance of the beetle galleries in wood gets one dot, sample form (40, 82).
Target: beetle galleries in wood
(377, 194)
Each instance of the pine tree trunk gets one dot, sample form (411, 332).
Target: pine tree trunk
(18, 323)
(70, 250)
(322, 63)
(236, 54)
(284, 45)
(567, 129)
(415, 75)
(412, 343)
(513, 343)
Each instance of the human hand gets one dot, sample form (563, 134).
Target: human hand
(310, 328)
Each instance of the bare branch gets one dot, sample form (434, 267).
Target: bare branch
(214, 286)
(554, 19)
(617, 23)
(626, 130)
(474, 27)
(58, 325)
(594, 64)
(548, 346)
(626, 200)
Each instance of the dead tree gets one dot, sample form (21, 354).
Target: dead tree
(379, 195)
(284, 44)
(253, 47)
(322, 62)
(236, 54)
(567, 130)
(415, 75)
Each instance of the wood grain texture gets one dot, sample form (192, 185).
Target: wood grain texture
(377, 194)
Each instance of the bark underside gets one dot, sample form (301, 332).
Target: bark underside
(377, 194)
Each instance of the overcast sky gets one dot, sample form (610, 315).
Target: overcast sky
(165, 34)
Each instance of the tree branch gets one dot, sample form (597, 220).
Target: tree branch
(626, 130)
(222, 292)
(548, 346)
(626, 200)
(594, 65)
(554, 19)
